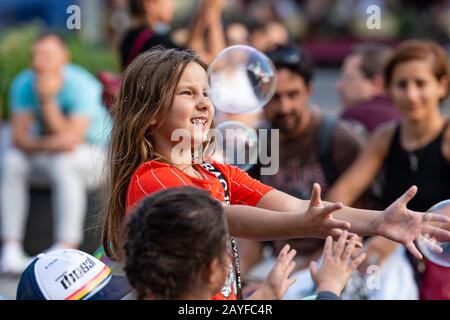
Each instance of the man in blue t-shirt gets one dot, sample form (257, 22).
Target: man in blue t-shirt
(59, 132)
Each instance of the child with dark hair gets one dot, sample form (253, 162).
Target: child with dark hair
(178, 248)
(177, 245)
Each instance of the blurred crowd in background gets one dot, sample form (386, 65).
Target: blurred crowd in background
(326, 28)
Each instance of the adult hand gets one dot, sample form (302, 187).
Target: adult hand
(213, 8)
(399, 224)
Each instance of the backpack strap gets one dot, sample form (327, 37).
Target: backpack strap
(223, 182)
(324, 142)
(141, 40)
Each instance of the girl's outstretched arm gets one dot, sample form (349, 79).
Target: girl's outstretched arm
(396, 223)
(312, 220)
(361, 221)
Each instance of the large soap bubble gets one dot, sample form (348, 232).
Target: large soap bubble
(241, 80)
(236, 144)
(429, 246)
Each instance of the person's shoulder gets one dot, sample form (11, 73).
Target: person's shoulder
(377, 106)
(149, 177)
(386, 130)
(343, 127)
(349, 111)
(360, 113)
(345, 137)
(78, 74)
(222, 167)
(358, 109)
(230, 172)
(24, 78)
(381, 138)
(132, 33)
(382, 102)
(76, 70)
(339, 130)
(152, 176)
(152, 166)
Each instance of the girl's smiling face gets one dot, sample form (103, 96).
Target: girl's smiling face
(191, 110)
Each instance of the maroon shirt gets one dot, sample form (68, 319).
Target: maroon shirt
(372, 113)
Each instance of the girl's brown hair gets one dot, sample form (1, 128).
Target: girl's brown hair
(146, 94)
(418, 50)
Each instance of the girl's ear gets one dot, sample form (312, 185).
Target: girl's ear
(151, 124)
(208, 272)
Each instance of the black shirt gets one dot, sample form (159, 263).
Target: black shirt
(129, 49)
(425, 167)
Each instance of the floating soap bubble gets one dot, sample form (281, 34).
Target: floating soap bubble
(236, 144)
(429, 246)
(241, 79)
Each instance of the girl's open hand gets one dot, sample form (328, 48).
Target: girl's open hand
(320, 218)
(399, 224)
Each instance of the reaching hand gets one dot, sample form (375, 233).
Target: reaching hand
(337, 266)
(212, 8)
(278, 282)
(399, 224)
(320, 219)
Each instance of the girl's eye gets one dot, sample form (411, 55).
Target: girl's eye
(205, 94)
(186, 92)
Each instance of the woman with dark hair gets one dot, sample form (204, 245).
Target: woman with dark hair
(414, 151)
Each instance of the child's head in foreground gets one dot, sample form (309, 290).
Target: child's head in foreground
(177, 246)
